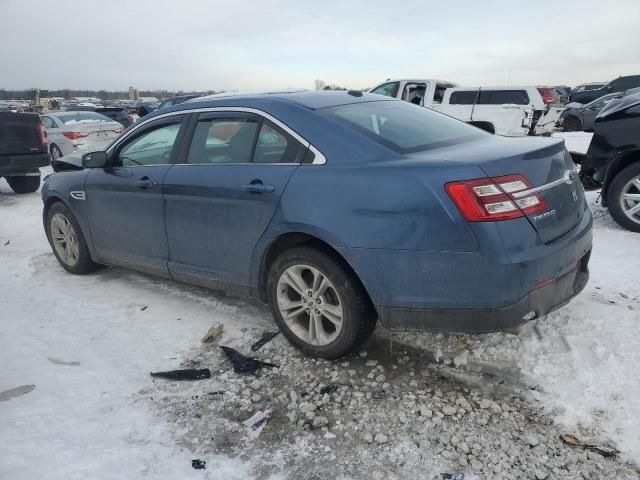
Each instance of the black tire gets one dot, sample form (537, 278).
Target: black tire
(359, 316)
(24, 184)
(84, 264)
(56, 153)
(572, 124)
(614, 197)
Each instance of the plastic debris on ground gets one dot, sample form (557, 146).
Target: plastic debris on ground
(213, 333)
(198, 464)
(15, 392)
(242, 364)
(256, 423)
(328, 389)
(602, 450)
(187, 374)
(267, 337)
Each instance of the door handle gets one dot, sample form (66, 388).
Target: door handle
(257, 187)
(145, 183)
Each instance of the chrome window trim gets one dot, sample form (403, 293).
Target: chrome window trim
(568, 177)
(319, 159)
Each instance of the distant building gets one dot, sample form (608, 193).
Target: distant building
(320, 85)
(132, 93)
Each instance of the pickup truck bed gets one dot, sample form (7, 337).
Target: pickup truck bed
(23, 150)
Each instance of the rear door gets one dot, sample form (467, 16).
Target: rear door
(547, 166)
(505, 109)
(221, 197)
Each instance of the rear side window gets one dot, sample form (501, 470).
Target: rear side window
(276, 146)
(387, 89)
(402, 126)
(463, 97)
(502, 97)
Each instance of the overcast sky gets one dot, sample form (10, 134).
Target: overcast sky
(237, 44)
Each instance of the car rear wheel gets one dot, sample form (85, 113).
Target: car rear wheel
(318, 303)
(66, 240)
(623, 198)
(24, 183)
(56, 153)
(572, 124)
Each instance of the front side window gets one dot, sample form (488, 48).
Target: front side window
(153, 147)
(404, 127)
(387, 89)
(414, 93)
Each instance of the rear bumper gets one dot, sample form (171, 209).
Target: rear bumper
(535, 304)
(21, 164)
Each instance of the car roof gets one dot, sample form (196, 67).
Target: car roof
(310, 99)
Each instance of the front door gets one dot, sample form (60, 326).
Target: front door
(124, 201)
(221, 197)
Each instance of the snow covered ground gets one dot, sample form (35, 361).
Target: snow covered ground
(87, 344)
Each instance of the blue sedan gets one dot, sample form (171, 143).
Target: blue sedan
(338, 209)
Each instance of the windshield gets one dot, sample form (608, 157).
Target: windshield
(82, 117)
(404, 127)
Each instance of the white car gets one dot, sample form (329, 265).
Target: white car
(508, 111)
(69, 132)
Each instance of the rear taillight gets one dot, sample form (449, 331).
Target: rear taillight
(74, 135)
(42, 134)
(493, 199)
(547, 96)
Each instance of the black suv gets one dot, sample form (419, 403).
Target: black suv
(620, 84)
(613, 159)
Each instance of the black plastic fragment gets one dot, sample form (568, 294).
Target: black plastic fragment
(378, 394)
(242, 364)
(328, 389)
(267, 337)
(187, 374)
(198, 464)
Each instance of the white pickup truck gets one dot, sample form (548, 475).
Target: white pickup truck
(509, 111)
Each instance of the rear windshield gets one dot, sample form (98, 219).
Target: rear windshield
(403, 126)
(82, 117)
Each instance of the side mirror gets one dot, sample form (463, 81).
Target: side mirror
(94, 160)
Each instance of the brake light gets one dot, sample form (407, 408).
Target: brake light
(42, 134)
(547, 96)
(74, 135)
(493, 199)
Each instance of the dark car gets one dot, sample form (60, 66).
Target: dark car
(23, 150)
(170, 102)
(620, 84)
(577, 117)
(338, 209)
(612, 161)
(119, 114)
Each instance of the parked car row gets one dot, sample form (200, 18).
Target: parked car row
(509, 111)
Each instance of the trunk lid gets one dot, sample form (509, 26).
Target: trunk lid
(544, 162)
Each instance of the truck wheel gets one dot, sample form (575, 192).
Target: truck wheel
(623, 198)
(66, 240)
(572, 124)
(318, 304)
(24, 183)
(56, 153)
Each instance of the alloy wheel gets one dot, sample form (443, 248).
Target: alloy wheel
(64, 239)
(630, 199)
(310, 305)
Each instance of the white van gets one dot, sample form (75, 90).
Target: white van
(509, 111)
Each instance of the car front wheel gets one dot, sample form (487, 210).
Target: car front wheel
(318, 303)
(67, 241)
(623, 198)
